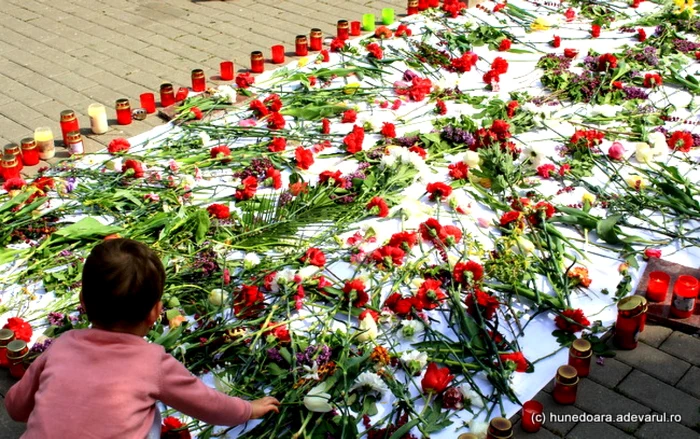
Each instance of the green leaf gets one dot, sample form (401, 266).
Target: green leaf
(405, 428)
(607, 229)
(87, 228)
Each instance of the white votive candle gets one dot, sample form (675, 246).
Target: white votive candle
(98, 118)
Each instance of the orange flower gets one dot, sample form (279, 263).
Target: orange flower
(579, 275)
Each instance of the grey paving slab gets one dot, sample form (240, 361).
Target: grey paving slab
(586, 430)
(610, 373)
(665, 430)
(661, 397)
(683, 346)
(654, 335)
(690, 383)
(656, 363)
(590, 398)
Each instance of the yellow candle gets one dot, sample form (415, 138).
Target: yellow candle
(98, 118)
(43, 136)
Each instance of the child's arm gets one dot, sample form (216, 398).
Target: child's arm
(19, 401)
(184, 392)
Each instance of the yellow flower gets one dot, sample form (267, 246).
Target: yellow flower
(302, 62)
(541, 23)
(351, 88)
(588, 197)
(636, 182)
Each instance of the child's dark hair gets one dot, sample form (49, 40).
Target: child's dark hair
(122, 281)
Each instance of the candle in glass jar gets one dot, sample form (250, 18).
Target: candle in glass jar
(15, 151)
(368, 22)
(467, 436)
(75, 143)
(45, 142)
(343, 29)
(301, 46)
(148, 102)
(565, 385)
(388, 16)
(30, 153)
(629, 323)
(531, 417)
(316, 39)
(16, 352)
(98, 118)
(226, 70)
(123, 108)
(657, 286)
(257, 62)
(355, 28)
(499, 428)
(412, 8)
(199, 82)
(685, 293)
(69, 122)
(167, 95)
(9, 167)
(6, 336)
(580, 355)
(278, 54)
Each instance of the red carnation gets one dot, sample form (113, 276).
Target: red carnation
(314, 256)
(505, 44)
(652, 80)
(375, 50)
(275, 121)
(337, 45)
(500, 65)
(450, 235)
(353, 141)
(387, 256)
(570, 53)
(595, 30)
(641, 35)
(22, 329)
(221, 152)
(349, 116)
(465, 62)
(556, 41)
(459, 171)
(247, 190)
(277, 144)
(389, 130)
(436, 379)
(403, 30)
(400, 305)
(404, 240)
(521, 364)
(511, 107)
(570, 14)
(418, 150)
(512, 217)
(245, 80)
(355, 291)
(14, 184)
(430, 294)
(606, 62)
(304, 157)
(440, 107)
(258, 108)
(275, 176)
(438, 191)
(248, 302)
(430, 229)
(479, 301)
(273, 102)
(681, 141)
(134, 166)
(219, 211)
(579, 320)
(169, 427)
(196, 113)
(475, 270)
(118, 145)
(380, 204)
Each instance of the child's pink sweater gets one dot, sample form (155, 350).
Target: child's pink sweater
(99, 384)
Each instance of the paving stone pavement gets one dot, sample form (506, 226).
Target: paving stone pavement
(60, 54)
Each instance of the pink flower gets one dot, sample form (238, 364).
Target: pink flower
(616, 151)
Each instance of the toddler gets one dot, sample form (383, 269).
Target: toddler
(104, 382)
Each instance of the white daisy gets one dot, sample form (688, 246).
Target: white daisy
(371, 383)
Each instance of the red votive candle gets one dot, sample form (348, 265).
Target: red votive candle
(631, 313)
(343, 30)
(657, 286)
(148, 102)
(6, 336)
(580, 355)
(412, 8)
(278, 54)
(30, 153)
(685, 293)
(15, 151)
(226, 70)
(167, 95)
(199, 82)
(182, 94)
(16, 352)
(499, 428)
(69, 122)
(532, 416)
(123, 108)
(257, 62)
(355, 28)
(315, 40)
(9, 167)
(301, 47)
(565, 385)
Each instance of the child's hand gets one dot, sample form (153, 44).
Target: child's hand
(263, 405)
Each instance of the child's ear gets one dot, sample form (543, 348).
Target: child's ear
(155, 312)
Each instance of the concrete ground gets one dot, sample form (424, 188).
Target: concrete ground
(60, 54)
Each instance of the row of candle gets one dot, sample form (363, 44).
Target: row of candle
(685, 292)
(13, 353)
